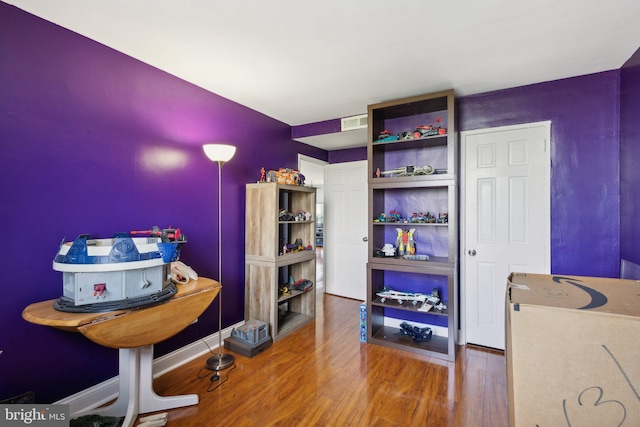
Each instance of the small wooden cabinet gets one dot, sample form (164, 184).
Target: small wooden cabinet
(412, 171)
(269, 265)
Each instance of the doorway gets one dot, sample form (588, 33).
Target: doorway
(313, 171)
(346, 231)
(505, 221)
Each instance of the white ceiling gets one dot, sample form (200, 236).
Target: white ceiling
(302, 62)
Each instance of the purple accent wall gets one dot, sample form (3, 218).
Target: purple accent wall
(585, 203)
(348, 155)
(317, 128)
(630, 159)
(93, 141)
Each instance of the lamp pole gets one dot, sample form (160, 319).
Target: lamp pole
(219, 153)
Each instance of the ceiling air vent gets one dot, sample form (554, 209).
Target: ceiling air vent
(354, 122)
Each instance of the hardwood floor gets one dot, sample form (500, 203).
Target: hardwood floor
(321, 375)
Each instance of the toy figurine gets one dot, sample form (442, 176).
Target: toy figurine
(399, 244)
(263, 175)
(394, 216)
(411, 243)
(388, 250)
(404, 242)
(381, 218)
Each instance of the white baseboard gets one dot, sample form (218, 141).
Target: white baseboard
(106, 391)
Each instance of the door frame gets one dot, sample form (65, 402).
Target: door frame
(330, 267)
(462, 335)
(320, 269)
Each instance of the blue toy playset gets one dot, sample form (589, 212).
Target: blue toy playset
(117, 273)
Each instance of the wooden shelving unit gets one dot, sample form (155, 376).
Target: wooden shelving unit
(267, 268)
(435, 193)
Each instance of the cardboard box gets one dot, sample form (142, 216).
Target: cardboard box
(573, 351)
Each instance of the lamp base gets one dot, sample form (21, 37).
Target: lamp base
(220, 361)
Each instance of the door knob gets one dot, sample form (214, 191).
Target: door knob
(365, 239)
(472, 252)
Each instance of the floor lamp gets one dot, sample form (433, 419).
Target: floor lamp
(219, 153)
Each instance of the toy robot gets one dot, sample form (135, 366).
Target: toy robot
(405, 242)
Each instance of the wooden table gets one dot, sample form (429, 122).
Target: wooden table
(133, 332)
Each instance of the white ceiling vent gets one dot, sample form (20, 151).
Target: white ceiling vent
(354, 122)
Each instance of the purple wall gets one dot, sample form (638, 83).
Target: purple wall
(585, 203)
(630, 159)
(93, 141)
(348, 155)
(317, 128)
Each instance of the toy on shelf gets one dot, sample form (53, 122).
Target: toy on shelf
(421, 131)
(303, 216)
(296, 246)
(302, 285)
(389, 250)
(405, 242)
(410, 170)
(400, 297)
(386, 136)
(416, 333)
(286, 176)
(285, 215)
(422, 218)
(429, 302)
(394, 216)
(433, 301)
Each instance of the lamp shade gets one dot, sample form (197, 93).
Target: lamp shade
(219, 152)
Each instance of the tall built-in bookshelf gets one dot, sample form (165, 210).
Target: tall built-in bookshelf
(412, 155)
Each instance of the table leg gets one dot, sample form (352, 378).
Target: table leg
(149, 400)
(128, 385)
(136, 394)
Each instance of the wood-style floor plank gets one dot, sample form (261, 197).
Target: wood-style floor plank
(322, 375)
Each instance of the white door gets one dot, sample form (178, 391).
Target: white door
(345, 226)
(506, 223)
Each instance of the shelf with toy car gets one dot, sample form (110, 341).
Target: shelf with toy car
(413, 139)
(391, 337)
(280, 245)
(409, 306)
(415, 217)
(294, 299)
(410, 163)
(403, 144)
(417, 296)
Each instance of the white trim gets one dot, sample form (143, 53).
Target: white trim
(310, 160)
(106, 391)
(462, 338)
